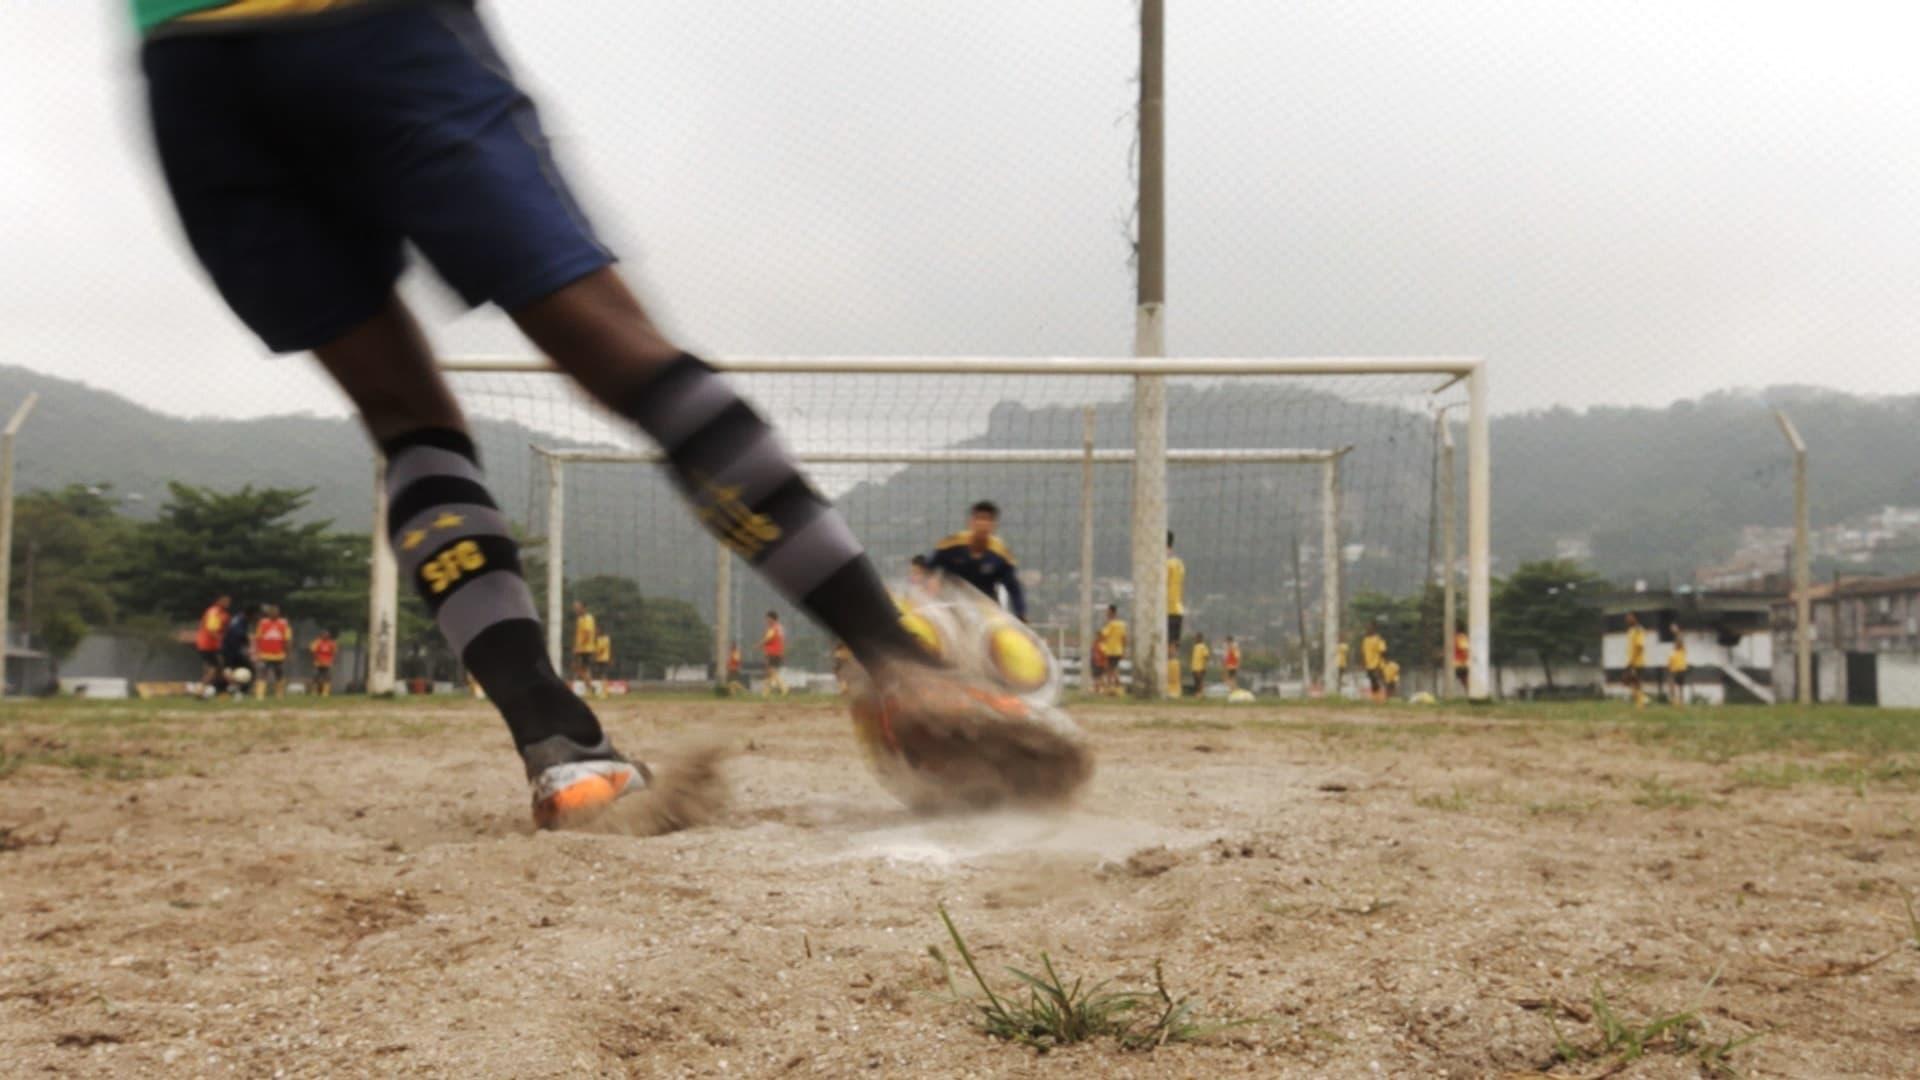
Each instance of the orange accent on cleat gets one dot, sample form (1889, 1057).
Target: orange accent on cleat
(585, 797)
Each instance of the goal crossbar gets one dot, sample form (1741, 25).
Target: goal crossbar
(974, 457)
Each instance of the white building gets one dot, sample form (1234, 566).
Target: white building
(1729, 640)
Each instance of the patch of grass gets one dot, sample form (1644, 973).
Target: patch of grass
(1563, 807)
(1454, 801)
(1181, 723)
(1899, 773)
(1054, 1012)
(1913, 924)
(1657, 794)
(1619, 1039)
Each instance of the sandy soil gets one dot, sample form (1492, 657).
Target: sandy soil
(328, 893)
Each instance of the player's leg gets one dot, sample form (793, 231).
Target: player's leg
(743, 483)
(454, 544)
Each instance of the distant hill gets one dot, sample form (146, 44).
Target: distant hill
(1659, 491)
(80, 435)
(1652, 490)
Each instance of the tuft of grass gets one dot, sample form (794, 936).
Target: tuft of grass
(1896, 773)
(1562, 807)
(1913, 924)
(1455, 801)
(1619, 1039)
(1657, 794)
(1055, 1012)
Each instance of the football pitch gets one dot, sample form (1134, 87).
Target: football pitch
(352, 888)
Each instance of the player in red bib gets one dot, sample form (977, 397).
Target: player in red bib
(323, 650)
(1230, 663)
(272, 638)
(213, 624)
(773, 644)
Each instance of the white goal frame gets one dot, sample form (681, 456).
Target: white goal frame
(1148, 645)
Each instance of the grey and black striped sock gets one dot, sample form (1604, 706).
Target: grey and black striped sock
(454, 544)
(749, 492)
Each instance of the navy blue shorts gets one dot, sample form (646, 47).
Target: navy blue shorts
(303, 157)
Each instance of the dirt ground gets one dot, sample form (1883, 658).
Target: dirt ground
(355, 891)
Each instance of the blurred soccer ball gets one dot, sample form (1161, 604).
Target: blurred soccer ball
(239, 676)
(977, 727)
(965, 630)
(1241, 696)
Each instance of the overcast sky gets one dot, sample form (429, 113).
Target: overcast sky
(1614, 202)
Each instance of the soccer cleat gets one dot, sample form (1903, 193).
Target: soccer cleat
(573, 785)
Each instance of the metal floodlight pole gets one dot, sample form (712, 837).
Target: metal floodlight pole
(1150, 390)
(1330, 559)
(383, 603)
(6, 527)
(1449, 618)
(722, 611)
(1089, 420)
(1802, 565)
(1479, 539)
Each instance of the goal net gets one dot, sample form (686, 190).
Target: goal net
(1301, 503)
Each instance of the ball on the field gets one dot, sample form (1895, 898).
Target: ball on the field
(1020, 661)
(1241, 696)
(240, 676)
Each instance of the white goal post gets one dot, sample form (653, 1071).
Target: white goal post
(1149, 646)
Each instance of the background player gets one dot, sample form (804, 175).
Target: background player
(734, 685)
(207, 641)
(1176, 598)
(272, 641)
(1373, 653)
(602, 662)
(236, 650)
(324, 648)
(1636, 656)
(397, 125)
(1389, 679)
(773, 646)
(1462, 652)
(1113, 647)
(1202, 656)
(1677, 668)
(586, 642)
(977, 556)
(1230, 663)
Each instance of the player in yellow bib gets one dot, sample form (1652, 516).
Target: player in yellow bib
(1197, 663)
(1176, 594)
(1113, 648)
(1373, 654)
(586, 642)
(1677, 668)
(1636, 658)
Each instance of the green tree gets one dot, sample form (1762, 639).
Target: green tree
(68, 546)
(619, 611)
(245, 543)
(1545, 611)
(1400, 621)
(676, 634)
